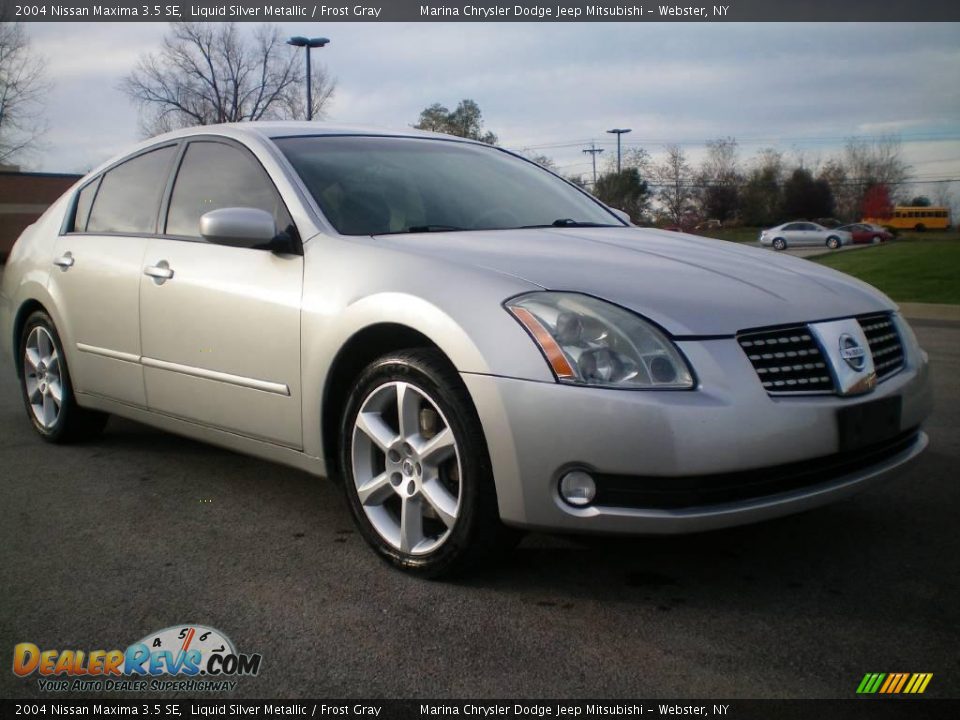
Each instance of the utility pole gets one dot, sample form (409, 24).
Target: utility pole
(618, 132)
(593, 150)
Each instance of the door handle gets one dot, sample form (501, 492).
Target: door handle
(160, 272)
(64, 262)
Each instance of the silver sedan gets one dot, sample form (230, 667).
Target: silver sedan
(469, 344)
(801, 234)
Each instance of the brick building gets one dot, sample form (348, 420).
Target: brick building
(23, 198)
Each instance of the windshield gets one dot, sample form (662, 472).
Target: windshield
(379, 185)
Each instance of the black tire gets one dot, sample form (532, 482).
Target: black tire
(876, 240)
(477, 533)
(779, 244)
(920, 227)
(833, 243)
(73, 423)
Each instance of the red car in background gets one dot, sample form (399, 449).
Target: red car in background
(867, 233)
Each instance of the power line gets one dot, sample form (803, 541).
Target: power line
(909, 137)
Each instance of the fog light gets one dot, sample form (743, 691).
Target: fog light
(578, 488)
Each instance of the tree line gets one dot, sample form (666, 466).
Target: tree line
(865, 178)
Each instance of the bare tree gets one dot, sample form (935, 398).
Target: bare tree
(634, 157)
(544, 161)
(876, 162)
(211, 73)
(721, 164)
(943, 195)
(23, 84)
(674, 179)
(719, 179)
(863, 164)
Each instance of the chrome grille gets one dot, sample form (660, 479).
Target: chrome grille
(787, 360)
(885, 344)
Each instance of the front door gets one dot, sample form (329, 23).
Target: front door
(221, 338)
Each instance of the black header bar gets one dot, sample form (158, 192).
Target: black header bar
(482, 11)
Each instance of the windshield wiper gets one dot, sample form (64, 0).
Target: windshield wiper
(568, 222)
(431, 228)
(423, 229)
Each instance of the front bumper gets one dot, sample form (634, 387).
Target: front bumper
(538, 431)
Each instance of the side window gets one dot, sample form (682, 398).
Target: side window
(216, 175)
(84, 201)
(129, 195)
(791, 226)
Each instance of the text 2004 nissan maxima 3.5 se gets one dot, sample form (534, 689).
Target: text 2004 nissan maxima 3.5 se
(469, 343)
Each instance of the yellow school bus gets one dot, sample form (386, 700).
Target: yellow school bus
(906, 217)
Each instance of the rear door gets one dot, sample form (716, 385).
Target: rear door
(808, 233)
(221, 333)
(96, 281)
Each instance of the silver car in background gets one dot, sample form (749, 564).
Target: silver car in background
(804, 234)
(471, 345)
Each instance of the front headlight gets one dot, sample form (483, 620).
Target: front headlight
(588, 341)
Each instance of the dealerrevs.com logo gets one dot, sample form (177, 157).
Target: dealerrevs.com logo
(185, 657)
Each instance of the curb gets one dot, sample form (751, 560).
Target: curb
(931, 312)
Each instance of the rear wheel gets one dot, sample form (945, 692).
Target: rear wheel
(46, 388)
(779, 244)
(833, 243)
(919, 227)
(416, 470)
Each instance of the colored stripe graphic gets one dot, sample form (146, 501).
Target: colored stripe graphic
(894, 683)
(903, 680)
(885, 688)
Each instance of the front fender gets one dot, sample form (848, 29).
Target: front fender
(349, 287)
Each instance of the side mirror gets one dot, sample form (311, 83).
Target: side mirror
(239, 227)
(622, 215)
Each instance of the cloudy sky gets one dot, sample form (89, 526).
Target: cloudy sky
(555, 87)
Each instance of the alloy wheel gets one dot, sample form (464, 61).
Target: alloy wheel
(406, 468)
(42, 377)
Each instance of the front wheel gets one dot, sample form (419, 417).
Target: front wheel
(46, 388)
(416, 470)
(833, 243)
(876, 240)
(779, 244)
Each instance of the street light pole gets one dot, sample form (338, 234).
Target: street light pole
(618, 132)
(308, 44)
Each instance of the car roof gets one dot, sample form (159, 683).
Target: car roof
(294, 128)
(268, 130)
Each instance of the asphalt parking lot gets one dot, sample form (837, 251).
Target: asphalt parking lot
(100, 544)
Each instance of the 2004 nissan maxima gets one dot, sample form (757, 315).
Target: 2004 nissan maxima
(469, 343)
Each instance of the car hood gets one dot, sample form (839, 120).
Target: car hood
(686, 284)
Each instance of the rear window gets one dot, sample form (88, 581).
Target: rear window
(129, 195)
